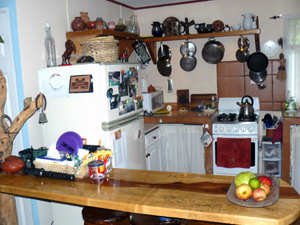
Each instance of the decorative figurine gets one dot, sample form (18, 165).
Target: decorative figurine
(70, 47)
(187, 24)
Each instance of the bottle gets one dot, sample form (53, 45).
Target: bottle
(134, 26)
(204, 104)
(124, 56)
(50, 47)
(213, 102)
(292, 104)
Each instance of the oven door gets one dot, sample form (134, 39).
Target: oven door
(234, 171)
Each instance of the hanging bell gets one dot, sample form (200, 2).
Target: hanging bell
(43, 118)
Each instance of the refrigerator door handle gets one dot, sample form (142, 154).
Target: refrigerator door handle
(140, 133)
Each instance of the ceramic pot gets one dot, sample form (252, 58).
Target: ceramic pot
(12, 164)
(111, 25)
(91, 25)
(78, 24)
(84, 16)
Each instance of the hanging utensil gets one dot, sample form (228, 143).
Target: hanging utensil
(257, 61)
(258, 77)
(213, 51)
(242, 54)
(188, 62)
(281, 75)
(164, 50)
(163, 64)
(170, 84)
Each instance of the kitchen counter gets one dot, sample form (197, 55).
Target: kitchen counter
(187, 117)
(180, 195)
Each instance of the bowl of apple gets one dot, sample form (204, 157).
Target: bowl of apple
(254, 190)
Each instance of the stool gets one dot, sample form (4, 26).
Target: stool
(98, 216)
(139, 219)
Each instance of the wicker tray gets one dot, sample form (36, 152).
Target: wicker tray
(101, 49)
(81, 172)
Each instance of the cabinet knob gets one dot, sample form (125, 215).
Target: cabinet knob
(154, 137)
(147, 155)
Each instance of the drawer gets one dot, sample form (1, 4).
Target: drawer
(272, 151)
(271, 167)
(152, 137)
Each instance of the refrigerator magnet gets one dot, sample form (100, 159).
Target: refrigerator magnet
(81, 84)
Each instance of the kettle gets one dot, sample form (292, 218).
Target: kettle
(246, 107)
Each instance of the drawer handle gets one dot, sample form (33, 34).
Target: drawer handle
(154, 137)
(147, 155)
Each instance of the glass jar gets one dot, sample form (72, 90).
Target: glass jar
(100, 23)
(120, 25)
(134, 26)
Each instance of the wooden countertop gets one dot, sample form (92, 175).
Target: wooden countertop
(179, 195)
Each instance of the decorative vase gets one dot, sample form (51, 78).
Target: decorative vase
(84, 16)
(12, 164)
(91, 25)
(78, 24)
(247, 22)
(134, 26)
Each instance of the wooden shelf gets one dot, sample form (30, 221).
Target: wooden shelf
(125, 39)
(151, 42)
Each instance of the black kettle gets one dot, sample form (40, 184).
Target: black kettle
(246, 106)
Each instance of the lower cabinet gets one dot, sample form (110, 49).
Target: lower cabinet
(153, 149)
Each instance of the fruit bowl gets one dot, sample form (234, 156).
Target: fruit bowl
(271, 199)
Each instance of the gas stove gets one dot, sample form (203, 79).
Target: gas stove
(227, 121)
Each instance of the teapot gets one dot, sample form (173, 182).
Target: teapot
(246, 107)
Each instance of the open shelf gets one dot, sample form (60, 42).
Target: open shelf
(151, 42)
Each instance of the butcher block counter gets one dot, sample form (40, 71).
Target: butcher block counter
(188, 117)
(180, 195)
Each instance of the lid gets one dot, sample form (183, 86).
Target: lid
(69, 142)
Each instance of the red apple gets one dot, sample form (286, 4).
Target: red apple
(243, 191)
(266, 187)
(259, 194)
(265, 179)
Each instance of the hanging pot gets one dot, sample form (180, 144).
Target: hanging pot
(188, 47)
(257, 61)
(242, 54)
(213, 51)
(188, 62)
(163, 64)
(258, 77)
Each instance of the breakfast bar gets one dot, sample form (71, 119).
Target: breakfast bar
(188, 196)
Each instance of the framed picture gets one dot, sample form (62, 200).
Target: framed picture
(81, 84)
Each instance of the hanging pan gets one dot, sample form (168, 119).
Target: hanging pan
(257, 61)
(213, 51)
(242, 54)
(163, 64)
(188, 61)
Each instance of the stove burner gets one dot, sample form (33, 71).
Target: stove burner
(247, 118)
(227, 117)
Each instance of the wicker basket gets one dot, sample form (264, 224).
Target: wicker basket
(81, 172)
(101, 49)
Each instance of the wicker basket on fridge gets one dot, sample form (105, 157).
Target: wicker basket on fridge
(102, 49)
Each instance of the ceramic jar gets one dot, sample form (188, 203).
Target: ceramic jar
(84, 16)
(12, 164)
(247, 22)
(111, 25)
(201, 28)
(91, 25)
(78, 24)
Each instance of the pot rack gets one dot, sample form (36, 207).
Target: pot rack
(151, 42)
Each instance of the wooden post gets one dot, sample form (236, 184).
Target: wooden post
(8, 211)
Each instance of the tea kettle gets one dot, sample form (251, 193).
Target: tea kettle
(246, 107)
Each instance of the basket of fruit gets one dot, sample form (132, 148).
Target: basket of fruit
(254, 190)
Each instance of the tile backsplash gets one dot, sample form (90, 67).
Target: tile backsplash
(234, 81)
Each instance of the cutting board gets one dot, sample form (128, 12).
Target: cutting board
(196, 99)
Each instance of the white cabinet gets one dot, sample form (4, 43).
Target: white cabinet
(153, 149)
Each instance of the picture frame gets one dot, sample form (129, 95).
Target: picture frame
(81, 84)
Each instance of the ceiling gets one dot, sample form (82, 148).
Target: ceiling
(144, 4)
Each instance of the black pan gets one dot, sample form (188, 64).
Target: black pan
(257, 61)
(164, 64)
(242, 55)
(258, 77)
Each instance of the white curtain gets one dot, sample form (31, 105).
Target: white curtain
(291, 47)
(182, 149)
(295, 157)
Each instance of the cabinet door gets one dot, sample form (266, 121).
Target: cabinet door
(153, 157)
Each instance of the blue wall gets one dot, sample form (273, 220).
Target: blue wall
(11, 5)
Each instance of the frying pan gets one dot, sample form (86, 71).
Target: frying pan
(242, 54)
(213, 51)
(163, 64)
(166, 52)
(258, 77)
(257, 61)
(188, 62)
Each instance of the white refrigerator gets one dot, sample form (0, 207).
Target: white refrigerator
(102, 103)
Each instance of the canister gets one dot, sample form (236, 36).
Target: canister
(96, 169)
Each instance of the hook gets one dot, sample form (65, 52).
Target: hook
(44, 101)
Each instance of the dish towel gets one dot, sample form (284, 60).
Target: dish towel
(234, 152)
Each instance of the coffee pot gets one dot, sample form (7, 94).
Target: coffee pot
(246, 109)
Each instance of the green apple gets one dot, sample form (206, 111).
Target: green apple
(243, 178)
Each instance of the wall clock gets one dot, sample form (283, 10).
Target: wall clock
(270, 48)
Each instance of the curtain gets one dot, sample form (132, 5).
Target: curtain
(291, 48)
(182, 149)
(295, 157)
